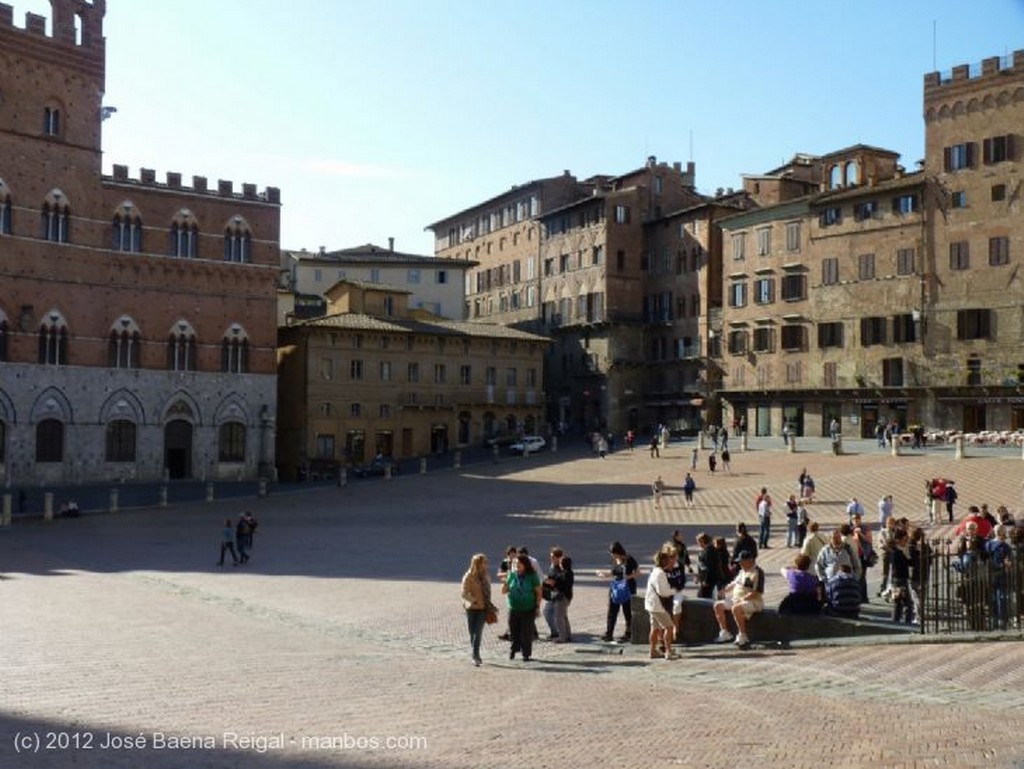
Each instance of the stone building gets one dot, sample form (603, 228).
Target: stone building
(572, 260)
(861, 301)
(371, 377)
(435, 286)
(137, 317)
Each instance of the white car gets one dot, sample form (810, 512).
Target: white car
(528, 444)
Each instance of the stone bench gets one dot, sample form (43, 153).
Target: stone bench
(699, 625)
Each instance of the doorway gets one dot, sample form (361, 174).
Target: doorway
(178, 449)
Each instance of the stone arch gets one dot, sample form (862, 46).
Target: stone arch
(944, 112)
(182, 405)
(958, 109)
(1003, 99)
(973, 106)
(1018, 95)
(232, 409)
(930, 115)
(51, 403)
(122, 404)
(8, 413)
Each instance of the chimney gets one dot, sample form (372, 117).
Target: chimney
(391, 245)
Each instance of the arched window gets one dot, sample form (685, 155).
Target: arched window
(51, 121)
(852, 173)
(50, 441)
(5, 209)
(234, 351)
(181, 348)
(121, 441)
(184, 235)
(237, 241)
(53, 340)
(55, 218)
(127, 229)
(124, 342)
(835, 180)
(231, 442)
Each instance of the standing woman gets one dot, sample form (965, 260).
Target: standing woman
(523, 593)
(625, 568)
(476, 598)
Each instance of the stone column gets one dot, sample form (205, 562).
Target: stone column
(48, 506)
(423, 466)
(5, 517)
(114, 500)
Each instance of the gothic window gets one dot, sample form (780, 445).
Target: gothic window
(234, 351)
(231, 442)
(237, 241)
(55, 218)
(53, 340)
(184, 235)
(50, 441)
(127, 229)
(181, 348)
(121, 441)
(123, 344)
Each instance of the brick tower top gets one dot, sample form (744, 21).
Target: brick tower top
(77, 30)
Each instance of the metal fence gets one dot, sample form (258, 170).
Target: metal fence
(965, 593)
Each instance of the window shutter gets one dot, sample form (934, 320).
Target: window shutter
(947, 158)
(986, 151)
(961, 325)
(971, 152)
(1009, 148)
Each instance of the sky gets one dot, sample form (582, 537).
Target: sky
(377, 118)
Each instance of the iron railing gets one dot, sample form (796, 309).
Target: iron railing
(970, 593)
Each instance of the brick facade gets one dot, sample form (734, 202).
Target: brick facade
(100, 272)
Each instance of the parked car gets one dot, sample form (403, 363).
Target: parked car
(377, 467)
(528, 444)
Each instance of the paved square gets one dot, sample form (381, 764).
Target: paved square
(343, 642)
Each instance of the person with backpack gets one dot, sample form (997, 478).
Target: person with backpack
(624, 571)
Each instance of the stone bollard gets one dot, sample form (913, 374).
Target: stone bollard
(163, 496)
(494, 451)
(48, 506)
(423, 466)
(343, 477)
(700, 440)
(743, 442)
(5, 517)
(895, 448)
(114, 500)
(387, 472)
(791, 444)
(554, 443)
(959, 443)
(209, 492)
(261, 489)
(458, 459)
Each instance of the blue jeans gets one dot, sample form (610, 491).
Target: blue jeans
(766, 530)
(475, 618)
(792, 533)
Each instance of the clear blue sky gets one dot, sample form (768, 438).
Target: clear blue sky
(379, 117)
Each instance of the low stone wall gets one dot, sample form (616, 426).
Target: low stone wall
(700, 627)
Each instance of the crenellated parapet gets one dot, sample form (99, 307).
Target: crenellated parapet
(966, 88)
(225, 188)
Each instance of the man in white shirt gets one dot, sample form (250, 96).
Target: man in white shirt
(854, 508)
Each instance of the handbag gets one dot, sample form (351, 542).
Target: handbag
(491, 615)
(620, 592)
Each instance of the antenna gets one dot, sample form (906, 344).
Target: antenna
(935, 64)
(691, 144)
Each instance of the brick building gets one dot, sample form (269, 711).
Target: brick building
(372, 377)
(884, 294)
(137, 317)
(572, 260)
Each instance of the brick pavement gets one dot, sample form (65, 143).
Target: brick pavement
(347, 625)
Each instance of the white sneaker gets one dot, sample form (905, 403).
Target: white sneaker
(742, 640)
(724, 636)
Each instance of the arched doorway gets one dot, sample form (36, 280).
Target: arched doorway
(178, 449)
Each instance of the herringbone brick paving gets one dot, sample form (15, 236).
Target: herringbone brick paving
(346, 626)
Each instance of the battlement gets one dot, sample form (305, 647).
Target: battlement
(75, 24)
(200, 185)
(994, 66)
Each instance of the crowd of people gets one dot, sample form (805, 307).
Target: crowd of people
(827, 575)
